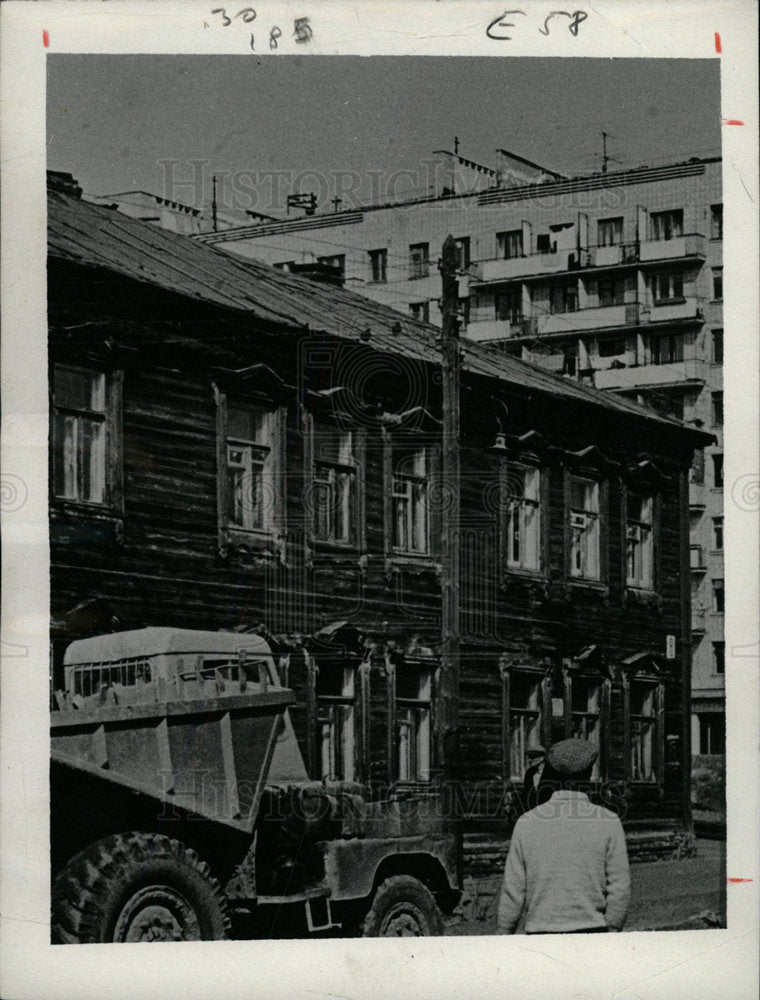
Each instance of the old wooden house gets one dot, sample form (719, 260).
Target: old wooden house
(233, 447)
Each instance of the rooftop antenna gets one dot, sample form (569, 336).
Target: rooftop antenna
(456, 145)
(605, 158)
(336, 202)
(213, 205)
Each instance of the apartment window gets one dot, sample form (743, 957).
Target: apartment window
(666, 349)
(413, 701)
(717, 525)
(335, 493)
(563, 298)
(584, 529)
(719, 657)
(717, 461)
(667, 225)
(639, 541)
(716, 222)
(610, 232)
(463, 252)
(378, 266)
(611, 292)
(509, 244)
(509, 306)
(717, 347)
(419, 260)
(335, 720)
(337, 261)
(525, 719)
(420, 311)
(250, 457)
(718, 597)
(79, 435)
(523, 527)
(586, 713)
(411, 501)
(717, 280)
(717, 409)
(712, 733)
(643, 730)
(612, 347)
(667, 286)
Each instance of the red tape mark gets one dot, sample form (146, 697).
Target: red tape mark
(718, 46)
(733, 121)
(735, 880)
(45, 38)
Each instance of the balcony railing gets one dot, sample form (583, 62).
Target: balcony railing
(698, 619)
(671, 373)
(697, 558)
(497, 269)
(591, 318)
(667, 310)
(689, 245)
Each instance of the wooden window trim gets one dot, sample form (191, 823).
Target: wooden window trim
(593, 474)
(507, 670)
(653, 680)
(359, 543)
(572, 671)
(263, 541)
(111, 510)
(409, 440)
(524, 462)
(647, 490)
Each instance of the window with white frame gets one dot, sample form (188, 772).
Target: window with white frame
(666, 225)
(411, 500)
(413, 731)
(586, 713)
(336, 729)
(585, 560)
(378, 264)
(610, 232)
(79, 434)
(639, 541)
(524, 712)
(250, 458)
(335, 492)
(510, 244)
(523, 527)
(643, 721)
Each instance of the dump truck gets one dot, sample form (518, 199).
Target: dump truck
(181, 808)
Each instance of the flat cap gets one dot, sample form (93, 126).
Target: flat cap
(536, 751)
(572, 756)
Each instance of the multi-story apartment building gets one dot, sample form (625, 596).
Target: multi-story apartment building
(613, 279)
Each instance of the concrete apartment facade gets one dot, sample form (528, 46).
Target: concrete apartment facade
(614, 279)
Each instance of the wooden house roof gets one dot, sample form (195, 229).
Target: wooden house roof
(100, 237)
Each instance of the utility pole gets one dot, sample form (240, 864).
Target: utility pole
(605, 158)
(448, 723)
(213, 205)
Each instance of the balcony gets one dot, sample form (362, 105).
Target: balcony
(617, 253)
(697, 560)
(673, 373)
(698, 620)
(671, 310)
(509, 268)
(594, 318)
(690, 245)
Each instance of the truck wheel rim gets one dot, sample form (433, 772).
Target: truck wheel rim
(404, 920)
(157, 913)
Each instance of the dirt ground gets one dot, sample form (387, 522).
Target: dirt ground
(689, 893)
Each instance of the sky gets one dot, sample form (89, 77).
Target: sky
(121, 123)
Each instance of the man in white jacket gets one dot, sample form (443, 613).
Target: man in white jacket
(567, 865)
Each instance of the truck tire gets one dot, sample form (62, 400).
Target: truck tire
(403, 907)
(137, 887)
